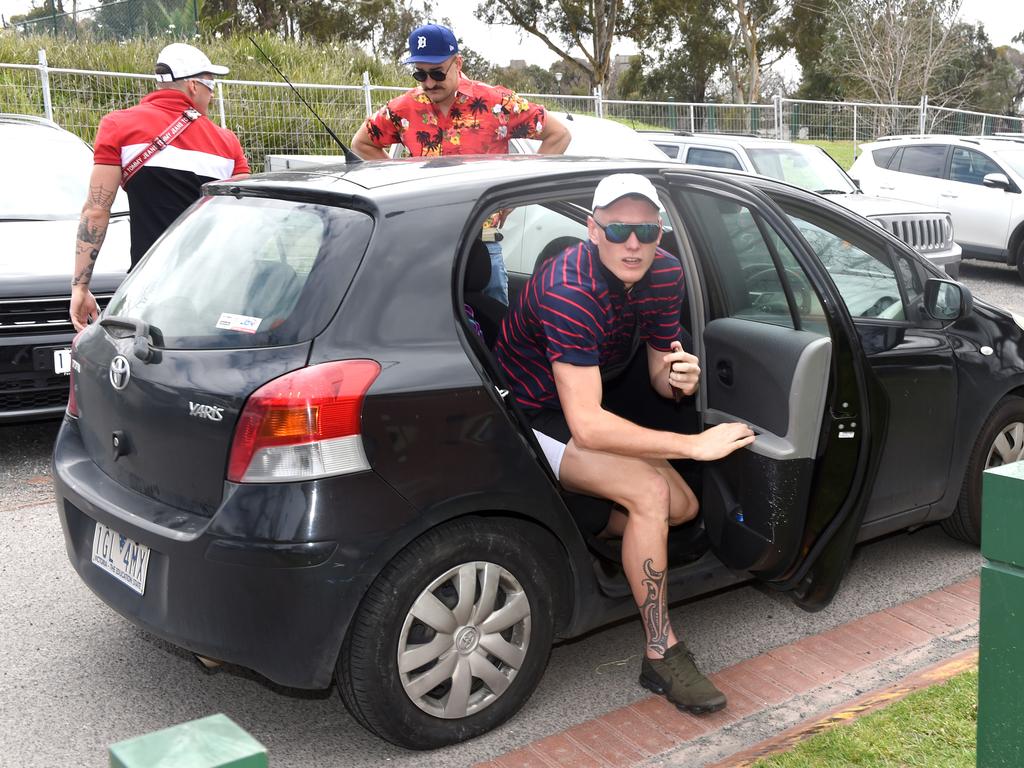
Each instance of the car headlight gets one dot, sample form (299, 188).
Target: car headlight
(1018, 319)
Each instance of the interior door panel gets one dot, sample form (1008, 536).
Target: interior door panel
(781, 394)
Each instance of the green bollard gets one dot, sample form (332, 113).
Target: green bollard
(1001, 653)
(211, 742)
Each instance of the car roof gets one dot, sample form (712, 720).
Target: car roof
(459, 178)
(943, 138)
(719, 139)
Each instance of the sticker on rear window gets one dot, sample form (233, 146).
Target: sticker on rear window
(243, 323)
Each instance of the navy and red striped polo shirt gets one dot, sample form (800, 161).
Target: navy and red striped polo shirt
(172, 179)
(574, 310)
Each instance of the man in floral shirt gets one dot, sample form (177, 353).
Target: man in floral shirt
(449, 114)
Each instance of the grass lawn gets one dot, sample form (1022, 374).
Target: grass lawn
(932, 727)
(841, 151)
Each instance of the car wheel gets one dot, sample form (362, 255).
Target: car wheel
(454, 635)
(953, 271)
(1020, 260)
(1000, 442)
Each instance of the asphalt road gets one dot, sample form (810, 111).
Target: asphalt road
(75, 677)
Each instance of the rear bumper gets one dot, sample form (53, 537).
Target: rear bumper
(270, 582)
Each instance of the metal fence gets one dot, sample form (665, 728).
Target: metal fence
(269, 119)
(114, 19)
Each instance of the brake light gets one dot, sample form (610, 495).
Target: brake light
(72, 400)
(303, 425)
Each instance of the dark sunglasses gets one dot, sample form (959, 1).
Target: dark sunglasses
(420, 75)
(617, 232)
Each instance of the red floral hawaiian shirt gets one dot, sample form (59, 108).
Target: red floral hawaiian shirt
(481, 120)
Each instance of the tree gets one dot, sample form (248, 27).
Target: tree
(685, 43)
(896, 51)
(565, 26)
(809, 30)
(758, 31)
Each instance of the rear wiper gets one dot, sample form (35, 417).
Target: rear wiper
(832, 191)
(142, 347)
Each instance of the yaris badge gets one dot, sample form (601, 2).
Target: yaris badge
(120, 372)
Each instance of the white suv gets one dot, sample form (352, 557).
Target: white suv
(926, 229)
(979, 179)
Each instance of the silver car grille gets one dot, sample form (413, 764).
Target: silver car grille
(43, 314)
(926, 233)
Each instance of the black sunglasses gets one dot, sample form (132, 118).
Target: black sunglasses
(618, 232)
(420, 75)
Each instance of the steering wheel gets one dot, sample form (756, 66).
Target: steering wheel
(798, 282)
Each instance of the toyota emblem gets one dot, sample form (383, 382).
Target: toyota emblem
(120, 372)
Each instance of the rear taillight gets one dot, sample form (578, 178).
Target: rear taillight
(72, 400)
(303, 425)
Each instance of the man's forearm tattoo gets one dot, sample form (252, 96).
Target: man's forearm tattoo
(654, 608)
(90, 234)
(85, 276)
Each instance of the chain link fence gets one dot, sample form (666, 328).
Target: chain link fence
(113, 19)
(269, 119)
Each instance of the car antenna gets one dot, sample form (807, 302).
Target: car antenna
(351, 158)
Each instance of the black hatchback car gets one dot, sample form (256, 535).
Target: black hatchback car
(287, 449)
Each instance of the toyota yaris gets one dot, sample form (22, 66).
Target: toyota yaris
(287, 447)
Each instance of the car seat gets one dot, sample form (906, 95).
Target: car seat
(487, 311)
(272, 290)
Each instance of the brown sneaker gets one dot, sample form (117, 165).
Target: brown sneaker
(677, 678)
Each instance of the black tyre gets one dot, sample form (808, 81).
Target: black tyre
(454, 635)
(953, 271)
(1020, 260)
(1001, 441)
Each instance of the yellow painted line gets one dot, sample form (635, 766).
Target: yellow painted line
(855, 709)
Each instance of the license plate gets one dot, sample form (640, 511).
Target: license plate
(124, 559)
(62, 361)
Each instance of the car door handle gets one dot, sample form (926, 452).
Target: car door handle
(724, 371)
(882, 186)
(948, 194)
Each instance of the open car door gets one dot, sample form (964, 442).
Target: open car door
(776, 353)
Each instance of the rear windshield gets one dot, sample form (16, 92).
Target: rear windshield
(245, 272)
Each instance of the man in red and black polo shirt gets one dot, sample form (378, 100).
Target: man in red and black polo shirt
(577, 316)
(170, 179)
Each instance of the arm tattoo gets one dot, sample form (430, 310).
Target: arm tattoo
(83, 277)
(654, 609)
(101, 196)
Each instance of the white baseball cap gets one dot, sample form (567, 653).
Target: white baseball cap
(611, 188)
(185, 61)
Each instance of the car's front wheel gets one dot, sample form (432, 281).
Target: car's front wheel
(454, 635)
(1001, 441)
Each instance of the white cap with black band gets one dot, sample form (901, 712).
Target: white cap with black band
(618, 185)
(185, 61)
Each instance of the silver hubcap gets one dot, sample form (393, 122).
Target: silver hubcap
(1008, 446)
(464, 640)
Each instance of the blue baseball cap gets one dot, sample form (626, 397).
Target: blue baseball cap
(431, 44)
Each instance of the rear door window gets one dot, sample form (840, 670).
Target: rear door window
(924, 160)
(245, 272)
(882, 157)
(716, 158)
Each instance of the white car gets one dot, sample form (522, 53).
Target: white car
(978, 179)
(46, 181)
(925, 228)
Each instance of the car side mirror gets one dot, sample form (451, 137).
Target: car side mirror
(856, 182)
(996, 181)
(946, 300)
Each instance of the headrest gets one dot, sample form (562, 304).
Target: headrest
(478, 269)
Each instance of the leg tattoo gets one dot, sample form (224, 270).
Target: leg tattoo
(654, 609)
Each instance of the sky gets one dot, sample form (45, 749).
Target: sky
(1002, 20)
